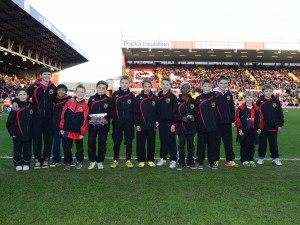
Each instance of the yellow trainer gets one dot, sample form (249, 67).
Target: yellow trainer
(114, 164)
(151, 164)
(141, 164)
(129, 164)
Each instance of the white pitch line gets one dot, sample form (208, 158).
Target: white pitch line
(283, 159)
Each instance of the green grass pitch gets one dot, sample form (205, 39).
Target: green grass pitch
(263, 195)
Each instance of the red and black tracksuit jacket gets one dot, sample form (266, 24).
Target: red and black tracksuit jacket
(42, 98)
(225, 107)
(272, 113)
(123, 107)
(57, 110)
(145, 111)
(206, 115)
(182, 108)
(249, 118)
(74, 118)
(19, 122)
(166, 106)
(101, 104)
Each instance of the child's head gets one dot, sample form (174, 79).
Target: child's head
(267, 90)
(206, 86)
(223, 83)
(22, 94)
(80, 92)
(185, 88)
(45, 74)
(249, 97)
(166, 84)
(125, 82)
(62, 90)
(101, 87)
(147, 85)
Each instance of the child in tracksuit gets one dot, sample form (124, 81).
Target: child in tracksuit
(274, 121)
(146, 121)
(123, 121)
(19, 125)
(167, 136)
(74, 125)
(249, 122)
(226, 120)
(98, 104)
(59, 102)
(206, 124)
(184, 109)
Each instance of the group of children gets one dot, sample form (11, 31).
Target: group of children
(55, 117)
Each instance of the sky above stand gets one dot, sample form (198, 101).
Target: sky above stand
(97, 26)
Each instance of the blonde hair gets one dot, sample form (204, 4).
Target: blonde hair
(248, 93)
(267, 86)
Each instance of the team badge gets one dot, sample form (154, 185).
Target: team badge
(105, 106)
(168, 100)
(128, 101)
(228, 98)
(80, 109)
(274, 105)
(51, 92)
(200, 100)
(192, 106)
(153, 103)
(30, 111)
(213, 104)
(117, 96)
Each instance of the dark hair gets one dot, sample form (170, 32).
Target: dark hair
(80, 86)
(206, 81)
(125, 77)
(21, 89)
(62, 86)
(222, 78)
(267, 86)
(166, 79)
(44, 69)
(102, 82)
(146, 80)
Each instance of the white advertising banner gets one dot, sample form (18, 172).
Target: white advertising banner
(219, 45)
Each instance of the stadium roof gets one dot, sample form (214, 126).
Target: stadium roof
(272, 51)
(28, 40)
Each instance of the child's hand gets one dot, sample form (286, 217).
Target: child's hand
(279, 128)
(172, 129)
(233, 125)
(192, 118)
(156, 124)
(185, 119)
(15, 106)
(138, 128)
(81, 137)
(241, 133)
(14, 136)
(62, 132)
(259, 131)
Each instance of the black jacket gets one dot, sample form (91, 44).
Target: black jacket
(184, 108)
(206, 119)
(225, 107)
(19, 122)
(57, 110)
(123, 107)
(145, 111)
(42, 101)
(166, 106)
(272, 113)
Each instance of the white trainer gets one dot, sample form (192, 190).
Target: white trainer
(25, 168)
(19, 168)
(277, 162)
(260, 160)
(172, 164)
(100, 166)
(161, 162)
(92, 165)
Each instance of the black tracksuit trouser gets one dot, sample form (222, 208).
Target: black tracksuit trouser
(22, 152)
(141, 138)
(102, 139)
(247, 142)
(117, 136)
(190, 148)
(273, 145)
(42, 129)
(224, 133)
(167, 141)
(68, 157)
(206, 139)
